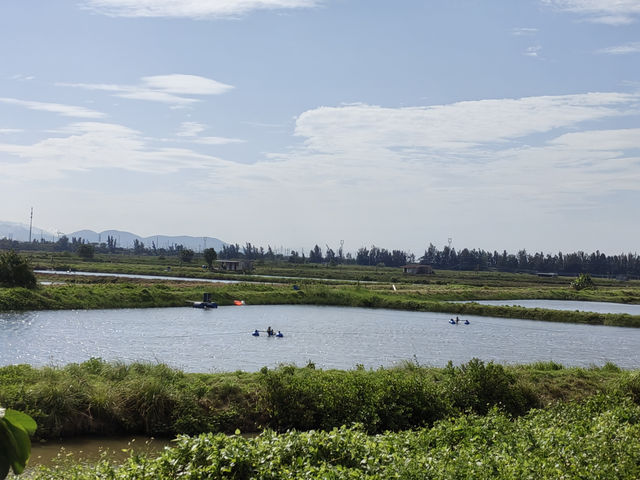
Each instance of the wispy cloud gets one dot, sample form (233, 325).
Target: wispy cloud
(218, 140)
(521, 32)
(10, 130)
(190, 129)
(612, 12)
(22, 77)
(625, 49)
(60, 109)
(197, 9)
(458, 126)
(533, 51)
(89, 146)
(174, 89)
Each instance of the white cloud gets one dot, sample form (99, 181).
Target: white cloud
(524, 31)
(458, 126)
(91, 145)
(217, 140)
(22, 77)
(60, 109)
(533, 51)
(190, 129)
(626, 49)
(190, 8)
(10, 130)
(174, 89)
(181, 84)
(612, 12)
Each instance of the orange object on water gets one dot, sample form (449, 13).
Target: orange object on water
(238, 302)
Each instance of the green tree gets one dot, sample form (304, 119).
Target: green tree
(186, 255)
(15, 271)
(584, 281)
(15, 445)
(210, 256)
(86, 251)
(315, 255)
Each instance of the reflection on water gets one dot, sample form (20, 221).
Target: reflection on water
(331, 337)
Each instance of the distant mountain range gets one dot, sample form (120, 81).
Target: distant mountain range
(20, 232)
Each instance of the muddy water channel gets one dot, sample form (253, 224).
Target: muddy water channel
(92, 449)
(332, 337)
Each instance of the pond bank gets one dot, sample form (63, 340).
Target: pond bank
(116, 293)
(113, 399)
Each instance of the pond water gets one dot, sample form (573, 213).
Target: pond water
(598, 307)
(220, 339)
(92, 449)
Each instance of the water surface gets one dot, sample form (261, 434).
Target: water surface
(598, 307)
(331, 337)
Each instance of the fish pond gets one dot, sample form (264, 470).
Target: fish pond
(221, 339)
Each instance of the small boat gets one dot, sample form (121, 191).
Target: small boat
(238, 302)
(452, 321)
(205, 303)
(466, 322)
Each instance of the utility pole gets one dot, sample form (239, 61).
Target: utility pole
(30, 224)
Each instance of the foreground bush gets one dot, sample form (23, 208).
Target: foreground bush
(597, 439)
(96, 397)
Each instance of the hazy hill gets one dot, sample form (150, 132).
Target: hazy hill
(126, 239)
(20, 232)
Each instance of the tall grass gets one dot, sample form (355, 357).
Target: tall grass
(96, 397)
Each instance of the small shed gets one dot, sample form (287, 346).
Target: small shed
(236, 265)
(417, 269)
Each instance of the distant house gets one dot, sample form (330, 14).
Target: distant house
(236, 265)
(417, 269)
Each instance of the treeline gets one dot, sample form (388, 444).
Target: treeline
(447, 258)
(596, 263)
(83, 246)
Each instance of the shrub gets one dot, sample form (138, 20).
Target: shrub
(15, 271)
(583, 282)
(478, 387)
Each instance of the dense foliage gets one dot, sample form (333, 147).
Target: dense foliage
(596, 439)
(96, 397)
(15, 271)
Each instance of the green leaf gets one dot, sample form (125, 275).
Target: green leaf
(23, 450)
(22, 420)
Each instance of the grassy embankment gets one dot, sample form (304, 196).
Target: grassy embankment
(95, 397)
(105, 292)
(473, 421)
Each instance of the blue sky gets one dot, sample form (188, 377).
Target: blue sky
(501, 124)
